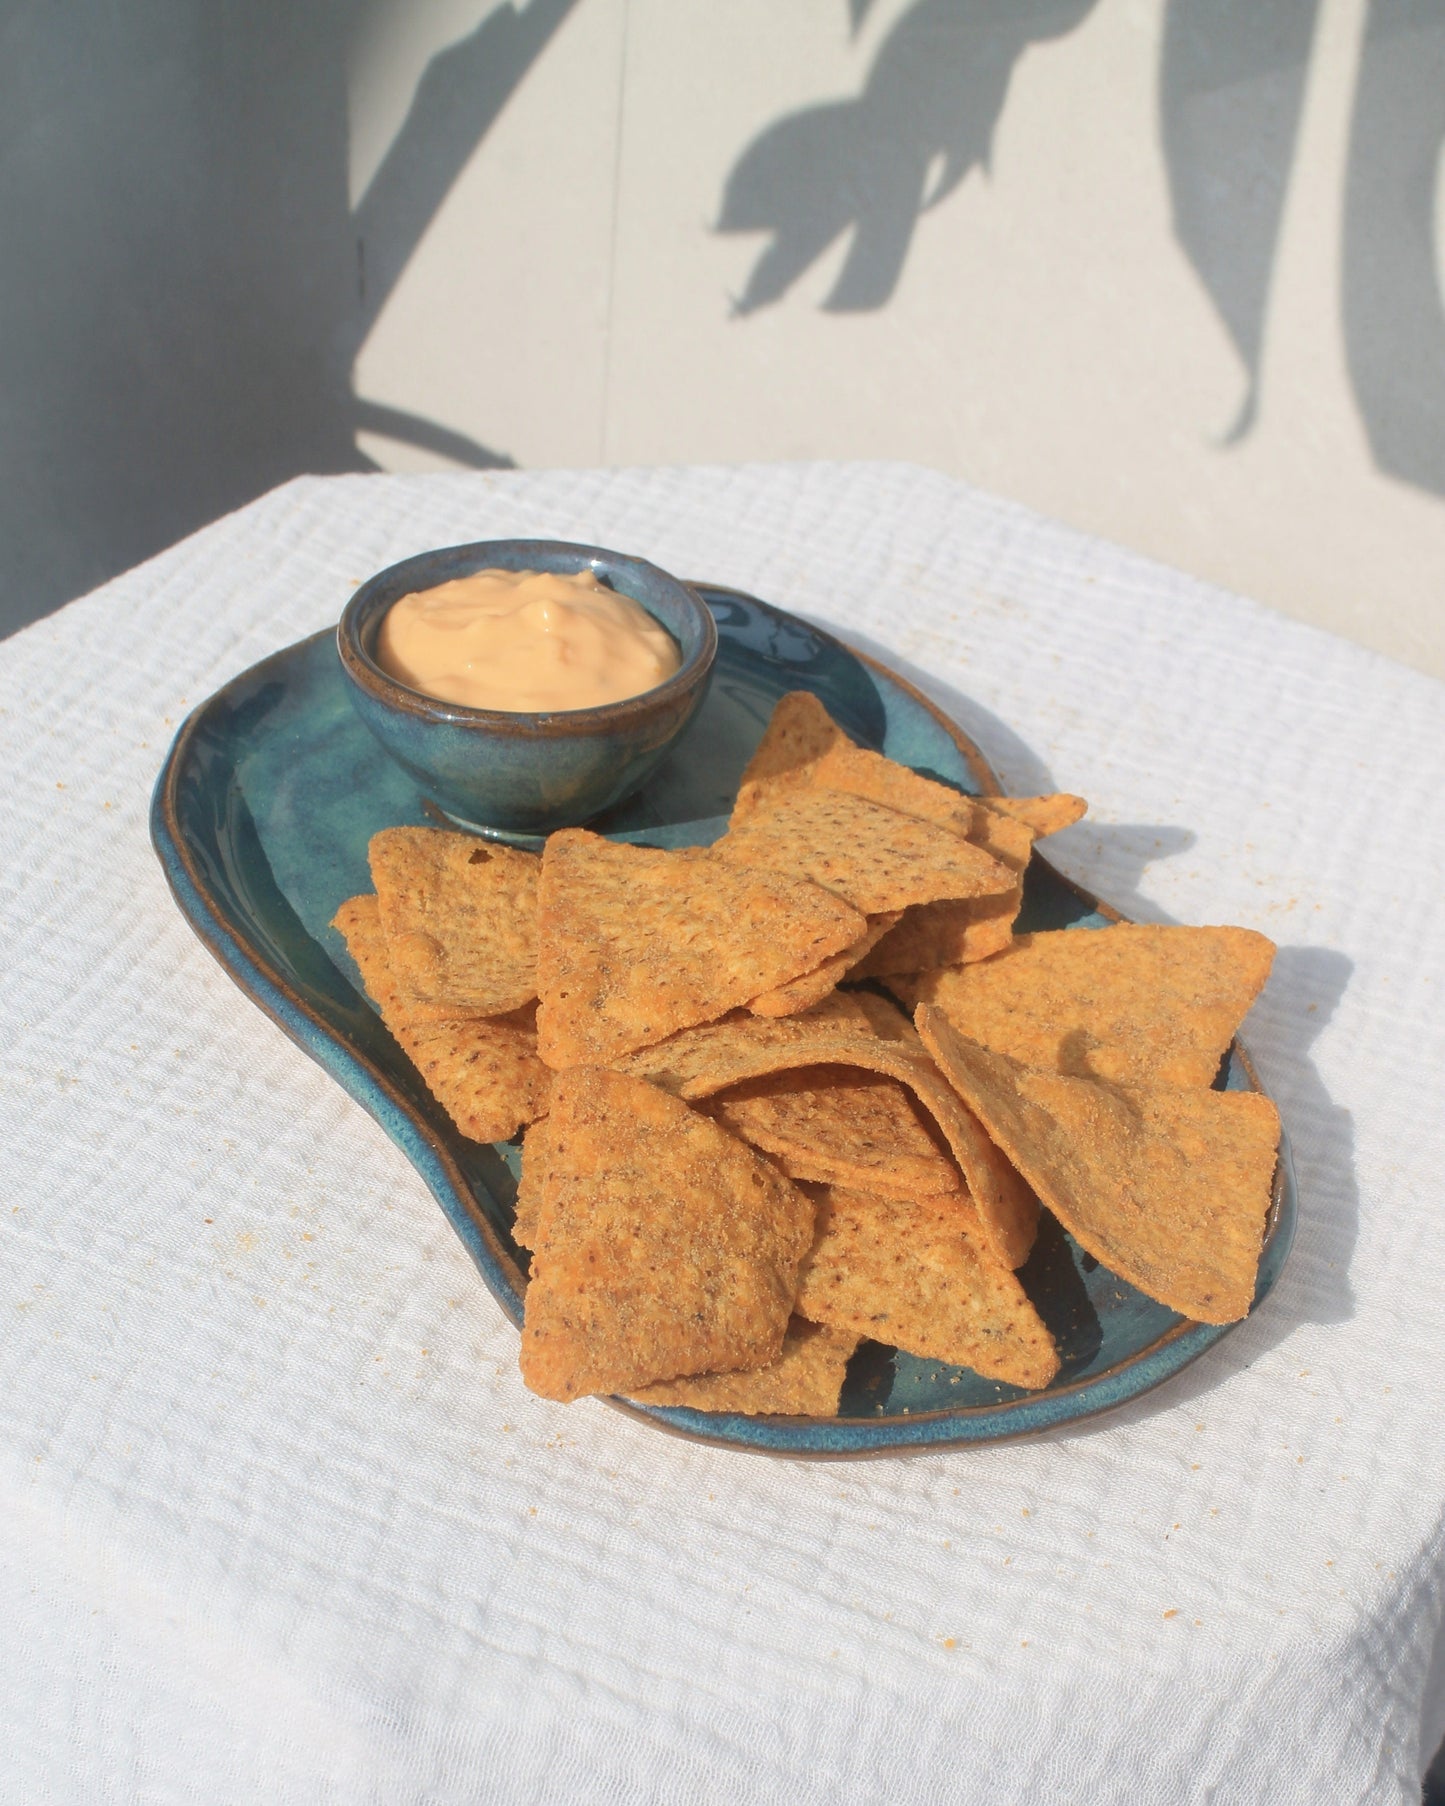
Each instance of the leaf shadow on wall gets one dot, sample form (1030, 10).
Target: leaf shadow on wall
(1391, 302)
(871, 165)
(1231, 89)
(185, 286)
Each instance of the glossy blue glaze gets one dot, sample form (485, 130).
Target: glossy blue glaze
(515, 771)
(261, 819)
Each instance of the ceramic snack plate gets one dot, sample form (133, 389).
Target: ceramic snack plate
(261, 819)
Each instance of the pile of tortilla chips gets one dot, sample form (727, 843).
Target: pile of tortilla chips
(741, 1159)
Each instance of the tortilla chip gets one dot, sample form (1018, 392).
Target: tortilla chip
(461, 919)
(802, 993)
(804, 1381)
(536, 1166)
(483, 1071)
(707, 1060)
(916, 1273)
(885, 1018)
(804, 745)
(874, 856)
(1134, 1005)
(665, 1247)
(1169, 1188)
(957, 933)
(740, 1046)
(1042, 814)
(840, 1125)
(637, 943)
(798, 734)
(943, 934)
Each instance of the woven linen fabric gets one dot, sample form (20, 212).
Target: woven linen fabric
(278, 1521)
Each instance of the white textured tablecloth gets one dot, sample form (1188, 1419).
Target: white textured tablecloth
(278, 1522)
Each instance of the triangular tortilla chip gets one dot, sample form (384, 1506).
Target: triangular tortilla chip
(804, 1381)
(943, 934)
(840, 1125)
(536, 1164)
(460, 916)
(664, 1247)
(1169, 1188)
(1004, 837)
(1134, 1005)
(738, 1046)
(483, 1071)
(802, 993)
(957, 933)
(706, 1060)
(804, 745)
(799, 732)
(876, 857)
(636, 943)
(916, 1273)
(1042, 814)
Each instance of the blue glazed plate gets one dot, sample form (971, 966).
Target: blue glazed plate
(261, 818)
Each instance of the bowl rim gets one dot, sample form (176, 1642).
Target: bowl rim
(363, 670)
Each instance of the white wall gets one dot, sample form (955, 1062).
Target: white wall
(1050, 334)
(1182, 285)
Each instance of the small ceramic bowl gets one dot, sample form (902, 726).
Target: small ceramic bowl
(527, 772)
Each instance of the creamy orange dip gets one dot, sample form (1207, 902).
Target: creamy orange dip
(524, 640)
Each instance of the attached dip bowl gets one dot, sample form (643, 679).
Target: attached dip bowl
(527, 773)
